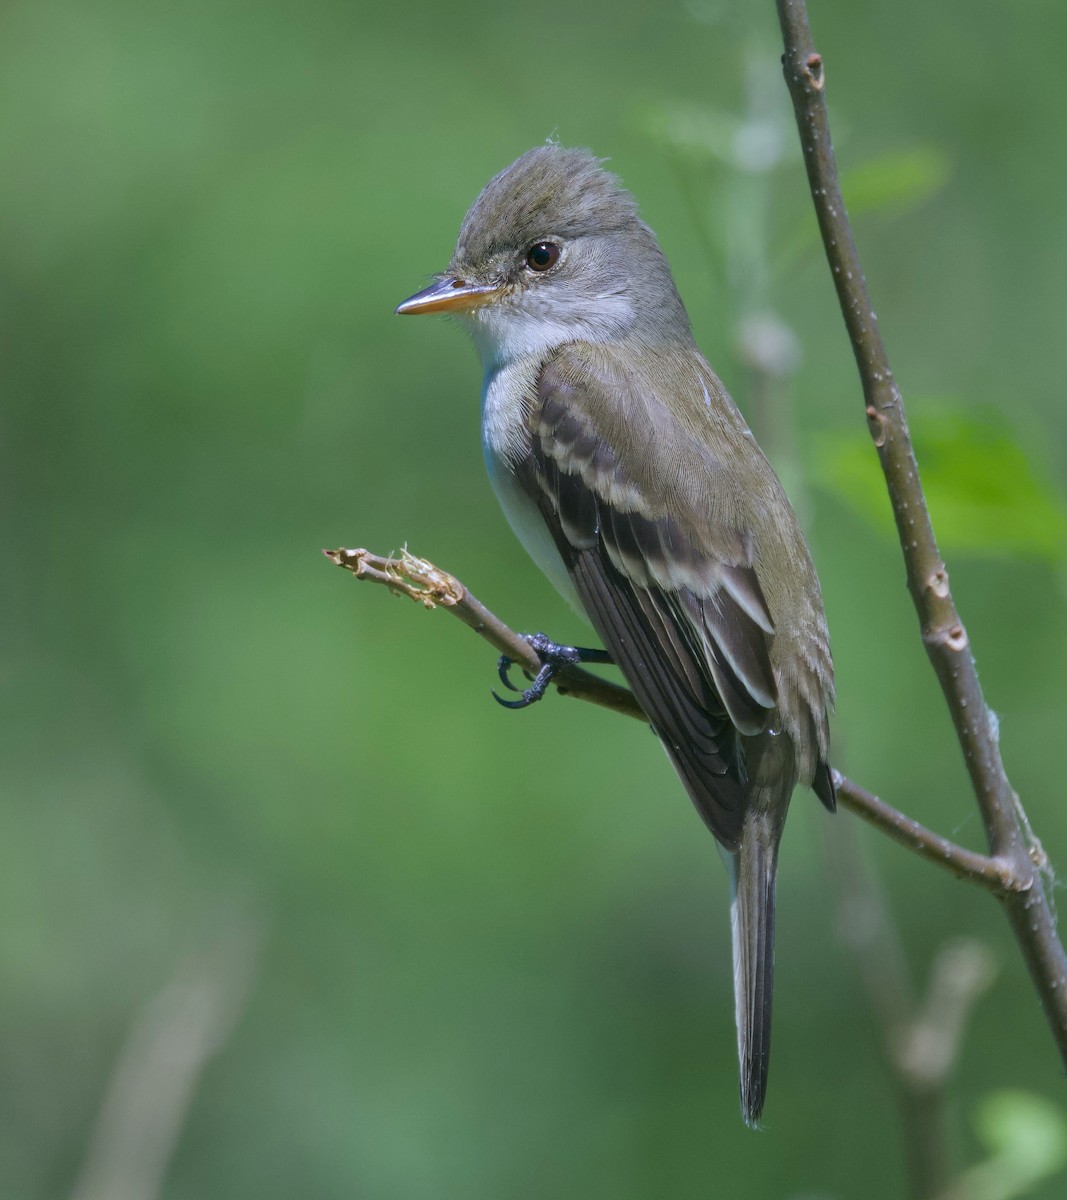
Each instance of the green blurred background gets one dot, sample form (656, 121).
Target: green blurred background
(289, 906)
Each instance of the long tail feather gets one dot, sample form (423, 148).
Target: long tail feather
(752, 913)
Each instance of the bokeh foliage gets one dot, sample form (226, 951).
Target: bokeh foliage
(493, 947)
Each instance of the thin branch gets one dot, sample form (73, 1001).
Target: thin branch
(921, 1039)
(926, 1052)
(943, 633)
(166, 1051)
(993, 874)
(431, 587)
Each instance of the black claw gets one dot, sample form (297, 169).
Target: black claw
(503, 667)
(533, 693)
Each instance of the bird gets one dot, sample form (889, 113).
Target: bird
(631, 477)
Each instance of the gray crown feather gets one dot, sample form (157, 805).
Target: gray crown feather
(550, 190)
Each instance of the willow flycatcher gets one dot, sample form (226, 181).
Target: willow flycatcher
(632, 479)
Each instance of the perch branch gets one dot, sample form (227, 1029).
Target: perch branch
(944, 636)
(993, 874)
(427, 584)
(433, 588)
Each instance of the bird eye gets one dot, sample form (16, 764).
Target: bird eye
(542, 256)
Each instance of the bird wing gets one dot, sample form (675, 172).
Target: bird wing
(673, 594)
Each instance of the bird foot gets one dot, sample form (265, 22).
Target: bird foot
(554, 658)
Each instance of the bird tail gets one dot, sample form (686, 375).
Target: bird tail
(752, 912)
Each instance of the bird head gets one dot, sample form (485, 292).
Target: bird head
(553, 251)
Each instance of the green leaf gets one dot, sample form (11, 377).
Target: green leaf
(987, 496)
(1027, 1140)
(896, 182)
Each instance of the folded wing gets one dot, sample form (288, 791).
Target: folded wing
(674, 595)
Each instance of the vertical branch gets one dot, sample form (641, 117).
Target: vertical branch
(943, 633)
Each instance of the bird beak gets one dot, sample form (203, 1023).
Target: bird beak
(449, 295)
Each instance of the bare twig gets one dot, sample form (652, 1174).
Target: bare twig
(168, 1046)
(433, 588)
(993, 874)
(924, 1052)
(921, 1039)
(943, 633)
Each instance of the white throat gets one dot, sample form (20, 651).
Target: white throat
(514, 339)
(530, 326)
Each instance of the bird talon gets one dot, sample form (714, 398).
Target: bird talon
(503, 669)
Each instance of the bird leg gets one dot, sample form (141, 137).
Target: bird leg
(554, 658)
